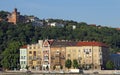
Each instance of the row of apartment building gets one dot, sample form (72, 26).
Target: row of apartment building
(52, 54)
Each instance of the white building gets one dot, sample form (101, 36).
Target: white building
(23, 57)
(74, 27)
(56, 24)
(35, 21)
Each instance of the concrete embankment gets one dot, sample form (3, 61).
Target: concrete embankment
(86, 72)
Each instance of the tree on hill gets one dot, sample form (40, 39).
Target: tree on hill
(3, 14)
(10, 57)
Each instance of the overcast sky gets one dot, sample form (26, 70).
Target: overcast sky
(99, 12)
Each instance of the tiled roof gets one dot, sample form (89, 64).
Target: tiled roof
(50, 41)
(63, 43)
(25, 46)
(91, 44)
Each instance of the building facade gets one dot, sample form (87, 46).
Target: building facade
(13, 17)
(58, 50)
(46, 57)
(52, 54)
(23, 57)
(34, 53)
(93, 55)
(115, 58)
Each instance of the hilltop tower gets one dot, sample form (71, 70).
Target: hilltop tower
(14, 16)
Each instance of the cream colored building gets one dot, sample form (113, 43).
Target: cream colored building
(35, 56)
(90, 55)
(52, 54)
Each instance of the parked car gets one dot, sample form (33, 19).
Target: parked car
(28, 71)
(95, 72)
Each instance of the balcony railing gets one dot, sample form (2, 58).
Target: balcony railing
(46, 60)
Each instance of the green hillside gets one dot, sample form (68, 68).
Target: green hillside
(12, 37)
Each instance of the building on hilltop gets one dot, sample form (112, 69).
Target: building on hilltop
(55, 24)
(35, 21)
(15, 17)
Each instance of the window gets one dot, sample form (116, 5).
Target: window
(39, 52)
(79, 50)
(30, 57)
(84, 50)
(89, 50)
(21, 57)
(74, 50)
(69, 50)
(57, 52)
(68, 55)
(30, 48)
(34, 57)
(24, 62)
(34, 47)
(21, 62)
(30, 62)
(20, 52)
(38, 47)
(79, 61)
(34, 53)
(38, 62)
(30, 52)
(99, 50)
(24, 57)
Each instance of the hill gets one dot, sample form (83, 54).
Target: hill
(12, 37)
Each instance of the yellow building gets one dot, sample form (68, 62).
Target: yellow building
(35, 56)
(90, 55)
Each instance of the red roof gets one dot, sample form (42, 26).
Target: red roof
(91, 44)
(50, 41)
(25, 46)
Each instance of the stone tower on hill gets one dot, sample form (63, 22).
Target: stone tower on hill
(14, 16)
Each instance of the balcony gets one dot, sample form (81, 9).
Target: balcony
(62, 57)
(52, 57)
(45, 59)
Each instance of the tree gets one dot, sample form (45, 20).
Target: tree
(75, 63)
(10, 57)
(47, 67)
(27, 67)
(61, 67)
(54, 67)
(110, 65)
(68, 63)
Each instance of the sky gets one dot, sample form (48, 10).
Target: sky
(99, 12)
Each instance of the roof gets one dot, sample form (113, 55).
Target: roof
(50, 41)
(25, 46)
(91, 44)
(63, 43)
